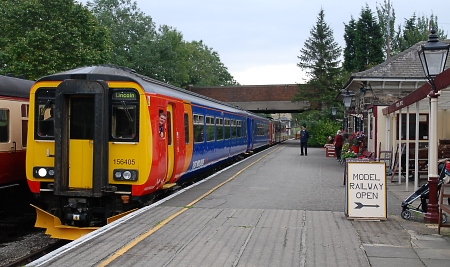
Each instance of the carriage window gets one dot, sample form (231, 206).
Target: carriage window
(4, 126)
(227, 129)
(209, 128)
(169, 128)
(24, 110)
(233, 129)
(124, 115)
(123, 124)
(45, 104)
(199, 123)
(238, 128)
(186, 128)
(219, 128)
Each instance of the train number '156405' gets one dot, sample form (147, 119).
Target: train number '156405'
(124, 161)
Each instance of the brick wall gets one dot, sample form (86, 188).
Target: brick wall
(248, 93)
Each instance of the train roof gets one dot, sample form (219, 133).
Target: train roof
(116, 73)
(15, 87)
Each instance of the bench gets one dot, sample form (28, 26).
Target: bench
(366, 155)
(330, 150)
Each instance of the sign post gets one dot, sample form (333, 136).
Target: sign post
(366, 190)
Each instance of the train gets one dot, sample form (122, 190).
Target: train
(14, 103)
(104, 140)
(279, 131)
(14, 98)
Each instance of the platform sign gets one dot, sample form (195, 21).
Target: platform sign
(366, 190)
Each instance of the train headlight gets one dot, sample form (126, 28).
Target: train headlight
(125, 175)
(43, 172)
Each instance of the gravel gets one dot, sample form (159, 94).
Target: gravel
(23, 246)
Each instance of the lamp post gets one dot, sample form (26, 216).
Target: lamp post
(433, 56)
(333, 111)
(347, 101)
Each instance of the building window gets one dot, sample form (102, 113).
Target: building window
(423, 126)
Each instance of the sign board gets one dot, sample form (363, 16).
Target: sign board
(366, 191)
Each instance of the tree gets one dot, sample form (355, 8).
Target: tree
(368, 41)
(160, 54)
(416, 29)
(204, 66)
(349, 64)
(320, 60)
(48, 36)
(129, 27)
(386, 20)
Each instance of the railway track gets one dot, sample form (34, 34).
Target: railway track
(33, 255)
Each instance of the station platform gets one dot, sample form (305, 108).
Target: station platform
(275, 208)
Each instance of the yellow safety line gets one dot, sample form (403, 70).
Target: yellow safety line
(171, 217)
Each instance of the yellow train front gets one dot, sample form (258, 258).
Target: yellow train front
(92, 155)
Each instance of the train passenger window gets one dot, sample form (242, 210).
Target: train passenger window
(233, 129)
(24, 110)
(219, 128)
(186, 128)
(209, 128)
(227, 129)
(244, 128)
(4, 125)
(123, 121)
(238, 128)
(199, 124)
(169, 128)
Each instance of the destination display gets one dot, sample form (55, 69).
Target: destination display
(127, 95)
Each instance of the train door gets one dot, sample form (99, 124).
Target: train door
(81, 138)
(13, 133)
(170, 143)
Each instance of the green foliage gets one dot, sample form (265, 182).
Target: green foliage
(160, 54)
(47, 36)
(368, 40)
(364, 42)
(386, 20)
(349, 64)
(320, 125)
(348, 154)
(415, 29)
(320, 60)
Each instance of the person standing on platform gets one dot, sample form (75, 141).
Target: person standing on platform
(304, 135)
(338, 142)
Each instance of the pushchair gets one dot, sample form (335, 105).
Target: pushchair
(423, 194)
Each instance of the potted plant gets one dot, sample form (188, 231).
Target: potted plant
(356, 140)
(348, 154)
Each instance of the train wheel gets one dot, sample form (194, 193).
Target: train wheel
(406, 214)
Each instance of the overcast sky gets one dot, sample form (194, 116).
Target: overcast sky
(259, 40)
